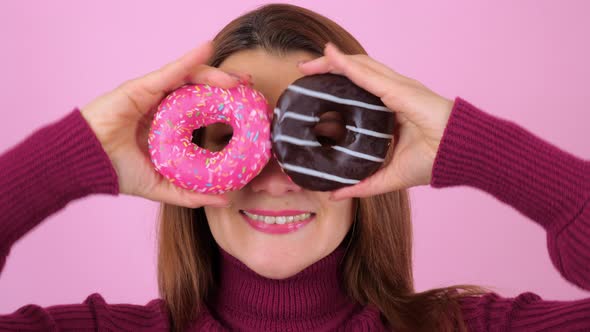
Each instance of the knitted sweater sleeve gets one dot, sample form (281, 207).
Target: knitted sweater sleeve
(549, 186)
(55, 165)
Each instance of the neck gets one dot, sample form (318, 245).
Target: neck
(308, 299)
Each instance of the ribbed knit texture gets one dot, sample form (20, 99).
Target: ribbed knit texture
(546, 184)
(64, 161)
(55, 165)
(312, 300)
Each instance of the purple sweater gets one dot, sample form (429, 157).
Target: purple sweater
(64, 161)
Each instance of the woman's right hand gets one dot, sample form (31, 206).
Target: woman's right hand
(121, 120)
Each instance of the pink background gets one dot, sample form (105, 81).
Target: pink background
(520, 60)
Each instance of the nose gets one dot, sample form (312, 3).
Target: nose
(273, 181)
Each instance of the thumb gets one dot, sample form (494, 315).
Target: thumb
(173, 75)
(378, 183)
(147, 91)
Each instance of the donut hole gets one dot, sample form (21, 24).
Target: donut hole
(331, 129)
(213, 137)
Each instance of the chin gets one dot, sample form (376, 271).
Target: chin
(276, 265)
(278, 259)
(276, 272)
(278, 250)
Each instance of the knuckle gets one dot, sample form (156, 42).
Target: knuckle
(132, 88)
(361, 57)
(127, 85)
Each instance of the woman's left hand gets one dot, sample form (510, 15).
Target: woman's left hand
(421, 117)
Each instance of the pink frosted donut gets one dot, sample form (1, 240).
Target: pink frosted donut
(191, 167)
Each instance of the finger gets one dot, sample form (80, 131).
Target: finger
(190, 68)
(356, 69)
(322, 65)
(378, 183)
(173, 75)
(402, 119)
(170, 193)
(319, 65)
(362, 75)
(213, 76)
(377, 66)
(242, 77)
(148, 91)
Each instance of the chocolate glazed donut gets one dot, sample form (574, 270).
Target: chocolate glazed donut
(367, 127)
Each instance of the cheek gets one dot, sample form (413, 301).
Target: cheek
(224, 222)
(218, 219)
(339, 215)
(210, 212)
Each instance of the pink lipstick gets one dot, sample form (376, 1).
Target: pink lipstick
(277, 222)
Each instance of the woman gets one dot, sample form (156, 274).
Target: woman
(349, 269)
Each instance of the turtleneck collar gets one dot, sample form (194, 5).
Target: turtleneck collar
(312, 299)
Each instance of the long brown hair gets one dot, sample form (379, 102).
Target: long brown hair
(377, 267)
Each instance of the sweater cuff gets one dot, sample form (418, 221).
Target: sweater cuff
(500, 157)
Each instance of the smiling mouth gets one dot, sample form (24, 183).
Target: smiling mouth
(287, 218)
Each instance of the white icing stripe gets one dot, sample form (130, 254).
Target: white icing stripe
(357, 154)
(277, 111)
(294, 140)
(329, 97)
(368, 132)
(318, 174)
(302, 142)
(297, 116)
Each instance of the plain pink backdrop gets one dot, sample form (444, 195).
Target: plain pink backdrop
(520, 60)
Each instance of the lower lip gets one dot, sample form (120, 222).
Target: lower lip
(276, 228)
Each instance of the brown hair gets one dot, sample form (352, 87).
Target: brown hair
(377, 267)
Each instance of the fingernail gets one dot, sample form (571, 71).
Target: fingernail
(249, 80)
(235, 77)
(332, 46)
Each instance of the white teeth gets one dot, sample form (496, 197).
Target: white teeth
(278, 219)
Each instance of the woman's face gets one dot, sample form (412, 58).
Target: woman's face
(238, 228)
